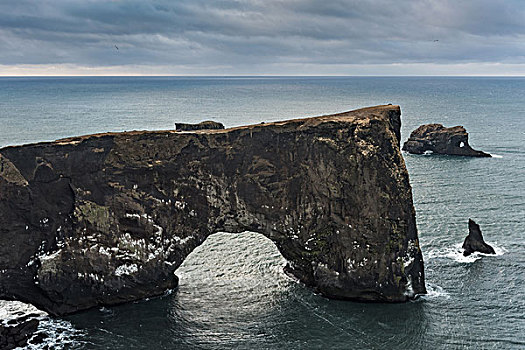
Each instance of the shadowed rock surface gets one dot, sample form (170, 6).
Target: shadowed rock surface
(105, 219)
(474, 241)
(206, 125)
(438, 139)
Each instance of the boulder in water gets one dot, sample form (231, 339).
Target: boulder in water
(474, 241)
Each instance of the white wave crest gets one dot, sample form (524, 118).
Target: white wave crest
(60, 334)
(455, 253)
(496, 156)
(435, 292)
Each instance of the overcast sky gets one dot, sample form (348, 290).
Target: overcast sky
(254, 37)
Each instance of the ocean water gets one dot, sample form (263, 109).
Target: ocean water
(233, 293)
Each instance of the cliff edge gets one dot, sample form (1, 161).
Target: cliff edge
(105, 219)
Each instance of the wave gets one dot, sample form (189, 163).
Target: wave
(51, 333)
(59, 334)
(496, 155)
(435, 292)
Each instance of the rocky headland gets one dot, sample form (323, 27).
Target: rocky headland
(105, 219)
(435, 138)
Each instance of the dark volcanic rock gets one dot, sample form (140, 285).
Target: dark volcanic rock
(438, 139)
(104, 219)
(18, 324)
(205, 125)
(17, 332)
(474, 241)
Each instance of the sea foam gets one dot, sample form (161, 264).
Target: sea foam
(455, 252)
(435, 292)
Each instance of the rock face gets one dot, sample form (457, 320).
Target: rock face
(474, 241)
(205, 125)
(105, 219)
(438, 139)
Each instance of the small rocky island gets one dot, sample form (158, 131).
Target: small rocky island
(435, 138)
(474, 242)
(106, 219)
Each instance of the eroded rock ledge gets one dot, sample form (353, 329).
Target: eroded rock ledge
(18, 324)
(105, 219)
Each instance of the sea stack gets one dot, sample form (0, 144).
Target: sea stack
(108, 218)
(435, 138)
(474, 241)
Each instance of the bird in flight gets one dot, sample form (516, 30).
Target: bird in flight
(116, 47)
(436, 40)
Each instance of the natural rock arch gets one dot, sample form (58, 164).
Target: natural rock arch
(104, 219)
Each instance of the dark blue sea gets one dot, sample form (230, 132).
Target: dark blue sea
(233, 293)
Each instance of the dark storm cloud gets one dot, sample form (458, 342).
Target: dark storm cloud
(258, 32)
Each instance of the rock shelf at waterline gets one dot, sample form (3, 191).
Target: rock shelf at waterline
(105, 219)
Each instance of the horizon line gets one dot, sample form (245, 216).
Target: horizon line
(260, 76)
